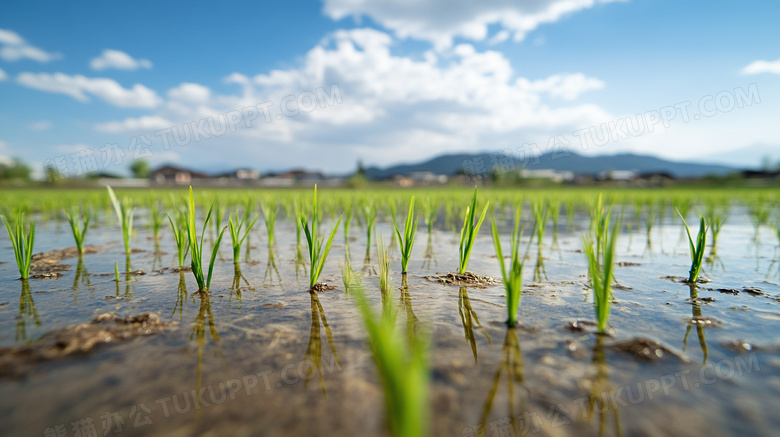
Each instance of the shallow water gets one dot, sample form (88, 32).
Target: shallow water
(240, 363)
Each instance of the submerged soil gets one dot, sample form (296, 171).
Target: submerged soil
(261, 355)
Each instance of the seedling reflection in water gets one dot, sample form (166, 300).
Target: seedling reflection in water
(314, 348)
(512, 365)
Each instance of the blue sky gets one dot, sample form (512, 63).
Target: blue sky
(95, 84)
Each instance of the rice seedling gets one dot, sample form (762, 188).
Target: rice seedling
(179, 227)
(196, 248)
(270, 211)
(759, 215)
(599, 248)
(512, 277)
(116, 271)
(554, 208)
(78, 227)
(22, 242)
(155, 219)
(696, 248)
(430, 211)
(298, 249)
(236, 225)
(469, 231)
(317, 254)
(349, 277)
(716, 217)
(369, 217)
(540, 214)
(402, 364)
(570, 215)
(124, 213)
(385, 280)
(406, 241)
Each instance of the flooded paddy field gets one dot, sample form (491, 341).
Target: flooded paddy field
(258, 354)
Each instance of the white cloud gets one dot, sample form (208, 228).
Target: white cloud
(758, 67)
(3, 76)
(79, 87)
(118, 60)
(14, 48)
(147, 124)
(41, 125)
(393, 107)
(439, 21)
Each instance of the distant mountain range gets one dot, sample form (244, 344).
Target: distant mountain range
(579, 164)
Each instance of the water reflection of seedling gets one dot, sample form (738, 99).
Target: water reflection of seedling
(196, 247)
(124, 213)
(513, 276)
(696, 248)
(270, 270)
(599, 248)
(81, 276)
(469, 231)
(697, 320)
(512, 365)
(599, 399)
(236, 226)
(26, 312)
(470, 321)
(179, 229)
(314, 348)
(204, 321)
(22, 242)
(78, 226)
(402, 364)
(406, 240)
(181, 295)
(317, 254)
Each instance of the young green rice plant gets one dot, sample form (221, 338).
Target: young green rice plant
(696, 248)
(298, 249)
(270, 211)
(469, 231)
(349, 277)
(385, 281)
(236, 225)
(716, 217)
(179, 229)
(759, 215)
(78, 226)
(116, 272)
(196, 247)
(554, 208)
(430, 211)
(406, 241)
(349, 214)
(124, 213)
(369, 217)
(513, 277)
(317, 254)
(540, 214)
(599, 249)
(22, 242)
(155, 218)
(402, 364)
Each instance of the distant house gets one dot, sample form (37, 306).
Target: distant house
(617, 175)
(241, 174)
(548, 174)
(428, 177)
(169, 174)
